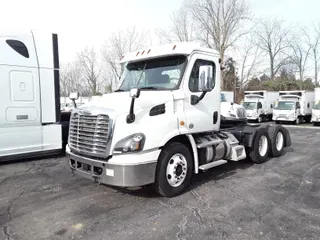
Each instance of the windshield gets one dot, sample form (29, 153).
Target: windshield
(223, 97)
(250, 105)
(161, 73)
(285, 106)
(316, 105)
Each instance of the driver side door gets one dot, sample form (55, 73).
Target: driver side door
(205, 115)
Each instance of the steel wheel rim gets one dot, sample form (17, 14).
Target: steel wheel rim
(176, 170)
(263, 145)
(279, 141)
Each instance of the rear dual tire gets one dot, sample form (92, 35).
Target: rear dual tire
(258, 153)
(276, 138)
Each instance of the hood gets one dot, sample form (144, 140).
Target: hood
(120, 101)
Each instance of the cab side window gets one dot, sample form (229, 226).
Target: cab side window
(194, 76)
(19, 47)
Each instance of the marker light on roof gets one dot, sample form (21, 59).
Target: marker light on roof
(174, 47)
(149, 51)
(137, 53)
(142, 52)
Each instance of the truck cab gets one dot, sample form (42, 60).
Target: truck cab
(316, 107)
(259, 104)
(293, 106)
(162, 124)
(30, 117)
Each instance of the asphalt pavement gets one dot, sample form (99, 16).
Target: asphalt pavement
(276, 200)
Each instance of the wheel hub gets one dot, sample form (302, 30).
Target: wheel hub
(176, 170)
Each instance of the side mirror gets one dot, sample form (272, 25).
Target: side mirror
(308, 105)
(205, 83)
(74, 96)
(271, 105)
(134, 93)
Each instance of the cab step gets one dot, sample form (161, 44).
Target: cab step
(212, 164)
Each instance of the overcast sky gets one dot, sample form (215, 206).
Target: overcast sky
(88, 22)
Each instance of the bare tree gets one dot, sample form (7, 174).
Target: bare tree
(89, 69)
(273, 38)
(181, 28)
(313, 41)
(249, 60)
(221, 22)
(70, 79)
(118, 44)
(299, 55)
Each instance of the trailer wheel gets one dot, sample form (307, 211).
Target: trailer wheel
(174, 170)
(276, 140)
(258, 153)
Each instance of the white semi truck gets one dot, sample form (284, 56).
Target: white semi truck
(259, 104)
(316, 108)
(30, 119)
(293, 106)
(163, 124)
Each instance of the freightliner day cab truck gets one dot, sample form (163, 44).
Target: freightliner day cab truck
(293, 106)
(30, 119)
(259, 104)
(316, 108)
(163, 124)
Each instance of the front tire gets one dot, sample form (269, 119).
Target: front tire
(276, 140)
(297, 121)
(258, 153)
(174, 170)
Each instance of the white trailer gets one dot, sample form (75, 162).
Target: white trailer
(316, 107)
(163, 124)
(259, 104)
(293, 106)
(30, 119)
(227, 96)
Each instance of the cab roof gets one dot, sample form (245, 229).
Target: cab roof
(182, 48)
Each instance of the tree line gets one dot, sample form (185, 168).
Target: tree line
(257, 52)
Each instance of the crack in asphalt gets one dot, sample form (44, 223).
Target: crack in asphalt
(182, 228)
(8, 209)
(6, 233)
(198, 197)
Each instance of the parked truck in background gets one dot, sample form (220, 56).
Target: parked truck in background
(316, 108)
(227, 96)
(293, 106)
(163, 124)
(259, 104)
(30, 118)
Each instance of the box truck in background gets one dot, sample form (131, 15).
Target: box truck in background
(293, 106)
(316, 107)
(259, 104)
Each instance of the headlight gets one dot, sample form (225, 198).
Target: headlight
(132, 143)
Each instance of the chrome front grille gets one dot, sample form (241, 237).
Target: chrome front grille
(282, 116)
(89, 134)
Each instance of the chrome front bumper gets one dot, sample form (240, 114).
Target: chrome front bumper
(121, 174)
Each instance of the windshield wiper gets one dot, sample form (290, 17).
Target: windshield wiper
(151, 88)
(119, 90)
